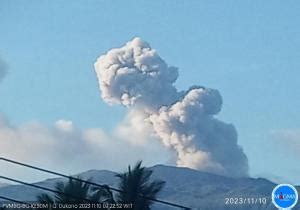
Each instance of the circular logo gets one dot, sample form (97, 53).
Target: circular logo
(284, 196)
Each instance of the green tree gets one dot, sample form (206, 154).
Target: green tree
(136, 187)
(72, 192)
(102, 195)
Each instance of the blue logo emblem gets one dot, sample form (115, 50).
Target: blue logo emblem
(284, 196)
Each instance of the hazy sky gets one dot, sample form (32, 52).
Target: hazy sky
(248, 50)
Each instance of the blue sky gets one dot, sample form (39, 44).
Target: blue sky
(248, 50)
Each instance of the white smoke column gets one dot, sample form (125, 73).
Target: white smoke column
(201, 141)
(135, 76)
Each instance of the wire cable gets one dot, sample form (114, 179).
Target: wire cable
(12, 200)
(45, 189)
(89, 182)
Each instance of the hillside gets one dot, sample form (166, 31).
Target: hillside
(196, 189)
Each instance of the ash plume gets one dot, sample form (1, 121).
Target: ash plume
(138, 78)
(135, 74)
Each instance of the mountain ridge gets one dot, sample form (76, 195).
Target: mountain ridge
(188, 187)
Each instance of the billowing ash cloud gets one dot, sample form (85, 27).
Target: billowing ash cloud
(201, 141)
(135, 76)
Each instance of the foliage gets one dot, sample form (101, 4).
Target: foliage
(135, 187)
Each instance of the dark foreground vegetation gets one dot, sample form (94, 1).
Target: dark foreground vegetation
(135, 191)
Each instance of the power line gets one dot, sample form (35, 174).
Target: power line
(44, 188)
(13, 200)
(90, 183)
